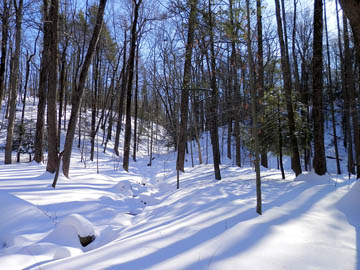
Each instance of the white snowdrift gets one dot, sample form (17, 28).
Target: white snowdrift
(20, 219)
(313, 178)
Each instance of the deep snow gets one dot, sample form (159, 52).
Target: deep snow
(140, 220)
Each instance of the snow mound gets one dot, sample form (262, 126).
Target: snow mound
(313, 178)
(124, 188)
(82, 226)
(19, 218)
(348, 204)
(69, 230)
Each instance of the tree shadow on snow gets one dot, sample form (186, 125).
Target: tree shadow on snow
(348, 205)
(255, 234)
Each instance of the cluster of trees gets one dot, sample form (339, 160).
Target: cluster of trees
(272, 80)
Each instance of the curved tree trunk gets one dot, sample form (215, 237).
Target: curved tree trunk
(78, 93)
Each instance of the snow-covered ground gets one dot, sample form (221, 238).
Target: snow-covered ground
(141, 221)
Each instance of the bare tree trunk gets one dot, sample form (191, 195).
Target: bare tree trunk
(253, 112)
(124, 75)
(351, 9)
(22, 127)
(4, 41)
(319, 161)
(287, 86)
(331, 94)
(347, 130)
(52, 89)
(127, 135)
(151, 143)
(260, 75)
(94, 102)
(14, 82)
(197, 132)
(280, 140)
(350, 90)
(213, 100)
(236, 90)
(78, 93)
(63, 78)
(136, 102)
(39, 134)
(182, 139)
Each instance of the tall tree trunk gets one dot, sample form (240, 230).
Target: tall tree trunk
(136, 102)
(4, 41)
(285, 67)
(350, 90)
(319, 162)
(52, 89)
(22, 126)
(331, 94)
(236, 90)
(213, 108)
(347, 130)
(133, 40)
(253, 112)
(63, 78)
(184, 107)
(94, 102)
(40, 120)
(280, 140)
(14, 82)
(124, 75)
(78, 93)
(351, 9)
(260, 72)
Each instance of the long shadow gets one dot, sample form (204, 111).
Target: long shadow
(254, 236)
(347, 205)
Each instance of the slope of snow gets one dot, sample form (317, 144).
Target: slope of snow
(141, 221)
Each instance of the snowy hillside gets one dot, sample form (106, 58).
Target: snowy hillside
(139, 220)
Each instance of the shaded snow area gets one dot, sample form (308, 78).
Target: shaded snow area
(139, 220)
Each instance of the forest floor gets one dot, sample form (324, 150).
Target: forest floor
(141, 221)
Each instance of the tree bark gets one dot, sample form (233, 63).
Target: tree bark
(14, 82)
(332, 99)
(236, 90)
(78, 93)
(213, 108)
(184, 107)
(124, 75)
(350, 90)
(39, 134)
(22, 126)
(133, 40)
(285, 67)
(351, 9)
(94, 102)
(253, 112)
(63, 78)
(52, 89)
(319, 161)
(4, 41)
(260, 73)
(136, 102)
